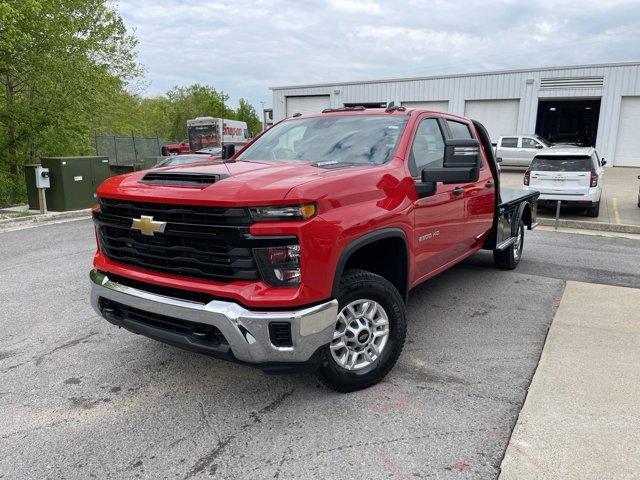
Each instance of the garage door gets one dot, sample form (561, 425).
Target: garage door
(500, 117)
(628, 142)
(440, 106)
(309, 104)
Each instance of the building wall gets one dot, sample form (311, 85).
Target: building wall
(619, 80)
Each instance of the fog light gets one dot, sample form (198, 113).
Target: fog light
(279, 266)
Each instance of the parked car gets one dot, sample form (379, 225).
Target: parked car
(176, 148)
(300, 253)
(173, 160)
(572, 175)
(519, 150)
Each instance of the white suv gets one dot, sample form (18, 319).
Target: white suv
(519, 150)
(573, 175)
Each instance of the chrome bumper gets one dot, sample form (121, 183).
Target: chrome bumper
(247, 332)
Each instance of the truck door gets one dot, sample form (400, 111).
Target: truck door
(508, 150)
(438, 219)
(478, 196)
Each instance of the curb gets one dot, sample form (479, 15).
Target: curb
(586, 225)
(48, 217)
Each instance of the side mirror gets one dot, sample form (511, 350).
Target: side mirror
(461, 164)
(538, 146)
(498, 159)
(603, 162)
(228, 151)
(451, 175)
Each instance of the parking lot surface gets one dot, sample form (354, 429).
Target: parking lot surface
(81, 398)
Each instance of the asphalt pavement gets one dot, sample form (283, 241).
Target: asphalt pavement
(80, 398)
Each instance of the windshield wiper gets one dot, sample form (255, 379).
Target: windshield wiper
(334, 163)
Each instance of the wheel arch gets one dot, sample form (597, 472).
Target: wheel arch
(359, 254)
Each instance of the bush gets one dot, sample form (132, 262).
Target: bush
(13, 190)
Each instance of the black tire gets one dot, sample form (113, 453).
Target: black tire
(594, 211)
(356, 285)
(509, 258)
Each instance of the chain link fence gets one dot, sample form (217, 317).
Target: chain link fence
(128, 150)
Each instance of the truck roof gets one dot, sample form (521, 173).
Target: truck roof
(377, 111)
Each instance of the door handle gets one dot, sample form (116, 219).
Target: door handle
(489, 184)
(458, 191)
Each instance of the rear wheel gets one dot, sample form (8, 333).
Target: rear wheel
(594, 211)
(509, 258)
(369, 333)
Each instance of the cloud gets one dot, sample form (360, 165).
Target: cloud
(244, 47)
(356, 6)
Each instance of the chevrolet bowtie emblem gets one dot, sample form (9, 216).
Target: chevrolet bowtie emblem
(147, 225)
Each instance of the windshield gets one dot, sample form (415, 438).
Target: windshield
(211, 150)
(352, 139)
(543, 141)
(561, 164)
(182, 159)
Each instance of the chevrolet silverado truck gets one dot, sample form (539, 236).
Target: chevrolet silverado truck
(298, 252)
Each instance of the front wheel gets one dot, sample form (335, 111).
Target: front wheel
(369, 333)
(509, 258)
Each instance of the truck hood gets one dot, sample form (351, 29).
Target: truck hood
(243, 183)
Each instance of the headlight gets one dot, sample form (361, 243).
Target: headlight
(293, 212)
(279, 266)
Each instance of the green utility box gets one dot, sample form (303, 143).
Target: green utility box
(32, 190)
(74, 181)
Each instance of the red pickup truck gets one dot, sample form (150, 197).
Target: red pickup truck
(176, 148)
(299, 251)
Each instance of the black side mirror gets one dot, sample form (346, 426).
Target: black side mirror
(538, 146)
(461, 164)
(461, 153)
(228, 151)
(451, 175)
(603, 162)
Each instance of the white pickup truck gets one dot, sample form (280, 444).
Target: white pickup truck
(519, 150)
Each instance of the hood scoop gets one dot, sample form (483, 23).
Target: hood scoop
(182, 179)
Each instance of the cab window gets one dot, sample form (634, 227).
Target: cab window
(530, 143)
(509, 142)
(459, 130)
(428, 147)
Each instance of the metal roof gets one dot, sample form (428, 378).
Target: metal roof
(459, 75)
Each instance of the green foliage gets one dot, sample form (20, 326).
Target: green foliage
(67, 68)
(12, 189)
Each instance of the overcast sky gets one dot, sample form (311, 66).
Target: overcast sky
(244, 47)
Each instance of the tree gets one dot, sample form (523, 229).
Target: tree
(247, 113)
(61, 65)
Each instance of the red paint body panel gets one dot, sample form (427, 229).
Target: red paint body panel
(351, 201)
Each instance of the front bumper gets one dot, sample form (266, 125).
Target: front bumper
(246, 332)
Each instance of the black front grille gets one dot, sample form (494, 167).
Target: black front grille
(177, 213)
(212, 243)
(199, 331)
(180, 179)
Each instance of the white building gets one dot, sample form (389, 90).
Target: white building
(594, 104)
